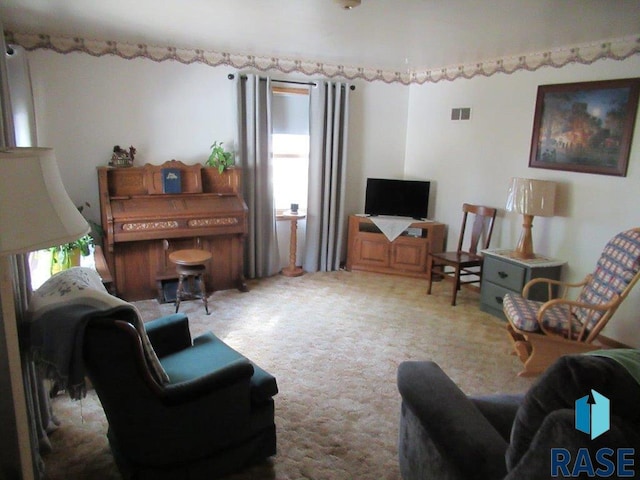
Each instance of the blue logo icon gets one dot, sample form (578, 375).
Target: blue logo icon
(592, 414)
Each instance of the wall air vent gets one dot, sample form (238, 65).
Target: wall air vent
(461, 113)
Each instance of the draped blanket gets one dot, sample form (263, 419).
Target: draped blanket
(59, 312)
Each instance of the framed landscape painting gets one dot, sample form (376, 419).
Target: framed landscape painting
(585, 127)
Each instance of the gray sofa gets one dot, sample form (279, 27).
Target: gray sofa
(444, 434)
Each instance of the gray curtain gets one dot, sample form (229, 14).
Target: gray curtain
(18, 129)
(329, 118)
(254, 155)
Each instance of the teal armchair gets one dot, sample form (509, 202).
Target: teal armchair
(211, 414)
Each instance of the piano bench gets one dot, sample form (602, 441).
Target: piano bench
(190, 266)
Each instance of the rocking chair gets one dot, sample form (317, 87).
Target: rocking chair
(543, 331)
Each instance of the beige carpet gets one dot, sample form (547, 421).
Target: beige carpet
(334, 342)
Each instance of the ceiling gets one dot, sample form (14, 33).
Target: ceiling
(391, 35)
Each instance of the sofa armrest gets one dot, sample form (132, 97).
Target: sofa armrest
(452, 422)
(238, 371)
(169, 334)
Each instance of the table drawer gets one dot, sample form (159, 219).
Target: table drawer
(505, 274)
(492, 295)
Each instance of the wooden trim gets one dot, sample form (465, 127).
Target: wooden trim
(289, 90)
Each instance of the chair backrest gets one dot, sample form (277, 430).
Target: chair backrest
(617, 271)
(483, 219)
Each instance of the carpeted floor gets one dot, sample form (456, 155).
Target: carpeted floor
(334, 342)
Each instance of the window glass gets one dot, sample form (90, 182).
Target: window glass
(290, 170)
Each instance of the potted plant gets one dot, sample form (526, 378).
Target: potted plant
(68, 255)
(220, 158)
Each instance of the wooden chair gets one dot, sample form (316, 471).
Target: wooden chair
(465, 263)
(543, 331)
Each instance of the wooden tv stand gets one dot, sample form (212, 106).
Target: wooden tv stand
(370, 250)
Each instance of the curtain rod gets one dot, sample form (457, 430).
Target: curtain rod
(231, 76)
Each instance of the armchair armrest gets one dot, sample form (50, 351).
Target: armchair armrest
(169, 334)
(452, 422)
(240, 370)
(571, 306)
(553, 283)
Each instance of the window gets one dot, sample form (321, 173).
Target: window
(290, 170)
(290, 146)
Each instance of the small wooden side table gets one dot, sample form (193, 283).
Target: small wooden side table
(292, 270)
(190, 264)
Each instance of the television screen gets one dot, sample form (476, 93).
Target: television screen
(401, 198)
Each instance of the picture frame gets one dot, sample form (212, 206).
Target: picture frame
(585, 127)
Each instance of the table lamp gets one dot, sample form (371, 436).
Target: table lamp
(35, 212)
(530, 198)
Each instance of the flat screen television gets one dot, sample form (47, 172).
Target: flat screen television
(401, 198)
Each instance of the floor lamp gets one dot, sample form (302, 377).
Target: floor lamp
(35, 213)
(530, 198)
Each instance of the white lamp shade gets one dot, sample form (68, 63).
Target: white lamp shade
(531, 197)
(35, 209)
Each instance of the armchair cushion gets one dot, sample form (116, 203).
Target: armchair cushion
(500, 410)
(210, 353)
(169, 334)
(523, 313)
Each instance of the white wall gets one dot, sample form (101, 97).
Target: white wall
(377, 137)
(473, 162)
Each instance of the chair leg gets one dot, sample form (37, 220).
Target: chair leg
(203, 293)
(456, 286)
(430, 271)
(179, 291)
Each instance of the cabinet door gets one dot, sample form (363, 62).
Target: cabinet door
(409, 254)
(372, 250)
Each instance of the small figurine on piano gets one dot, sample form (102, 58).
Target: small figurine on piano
(122, 158)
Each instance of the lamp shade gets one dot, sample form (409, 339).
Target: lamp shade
(35, 209)
(531, 197)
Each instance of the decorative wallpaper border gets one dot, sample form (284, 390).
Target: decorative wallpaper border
(615, 49)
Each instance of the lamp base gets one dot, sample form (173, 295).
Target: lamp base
(524, 249)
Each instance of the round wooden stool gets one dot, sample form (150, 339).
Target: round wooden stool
(190, 266)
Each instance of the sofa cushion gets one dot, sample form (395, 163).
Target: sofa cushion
(208, 354)
(500, 410)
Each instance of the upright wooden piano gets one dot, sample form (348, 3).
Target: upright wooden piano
(143, 225)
